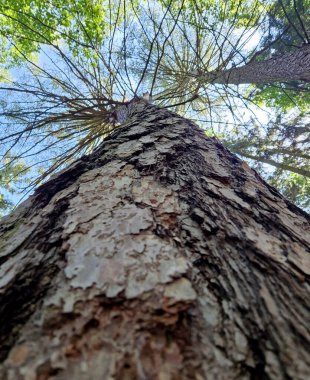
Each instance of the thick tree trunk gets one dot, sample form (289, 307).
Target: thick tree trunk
(287, 67)
(160, 256)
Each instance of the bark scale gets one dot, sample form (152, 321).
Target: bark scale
(159, 256)
(291, 66)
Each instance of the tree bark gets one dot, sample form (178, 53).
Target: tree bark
(159, 256)
(291, 66)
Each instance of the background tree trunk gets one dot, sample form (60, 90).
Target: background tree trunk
(159, 256)
(284, 68)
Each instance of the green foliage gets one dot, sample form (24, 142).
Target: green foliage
(293, 186)
(27, 24)
(13, 172)
(283, 96)
(242, 13)
(289, 19)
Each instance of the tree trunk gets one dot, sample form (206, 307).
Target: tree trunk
(287, 67)
(159, 256)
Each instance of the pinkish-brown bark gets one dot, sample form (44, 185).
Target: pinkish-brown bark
(159, 256)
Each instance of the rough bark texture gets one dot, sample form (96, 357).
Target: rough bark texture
(160, 256)
(287, 67)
